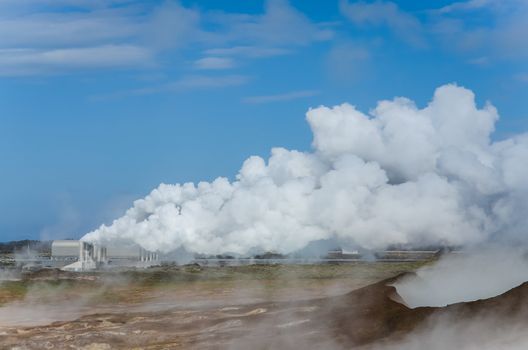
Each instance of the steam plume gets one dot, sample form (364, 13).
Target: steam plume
(401, 175)
(478, 274)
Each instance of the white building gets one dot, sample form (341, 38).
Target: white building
(130, 255)
(74, 255)
(77, 255)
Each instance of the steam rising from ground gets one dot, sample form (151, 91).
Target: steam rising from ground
(484, 332)
(401, 175)
(467, 277)
(477, 274)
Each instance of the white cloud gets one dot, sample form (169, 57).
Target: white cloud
(387, 13)
(214, 63)
(293, 95)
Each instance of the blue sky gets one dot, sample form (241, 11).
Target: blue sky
(100, 101)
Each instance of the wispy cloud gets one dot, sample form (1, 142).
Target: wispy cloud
(497, 29)
(280, 24)
(465, 6)
(45, 39)
(347, 61)
(492, 29)
(404, 25)
(293, 95)
(197, 82)
(214, 63)
(16, 62)
(56, 29)
(480, 61)
(40, 31)
(249, 51)
(523, 77)
(184, 84)
(171, 26)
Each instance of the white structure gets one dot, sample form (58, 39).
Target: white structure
(65, 250)
(82, 255)
(75, 255)
(123, 255)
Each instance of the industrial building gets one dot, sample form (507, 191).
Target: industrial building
(127, 255)
(74, 255)
(339, 253)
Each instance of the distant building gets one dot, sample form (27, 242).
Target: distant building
(339, 253)
(74, 255)
(78, 255)
(407, 255)
(123, 255)
(270, 256)
(384, 255)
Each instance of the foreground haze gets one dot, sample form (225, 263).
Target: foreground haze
(333, 307)
(172, 307)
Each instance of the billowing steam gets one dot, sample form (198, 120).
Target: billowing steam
(401, 175)
(477, 274)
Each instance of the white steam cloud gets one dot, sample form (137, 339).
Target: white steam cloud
(478, 274)
(401, 175)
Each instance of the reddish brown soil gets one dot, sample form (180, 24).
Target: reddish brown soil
(357, 319)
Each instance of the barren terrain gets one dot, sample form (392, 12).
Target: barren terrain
(246, 307)
(180, 307)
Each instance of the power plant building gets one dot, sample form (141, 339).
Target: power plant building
(75, 255)
(65, 250)
(121, 255)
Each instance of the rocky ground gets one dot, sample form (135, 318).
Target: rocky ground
(232, 312)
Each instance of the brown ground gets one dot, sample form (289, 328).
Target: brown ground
(356, 319)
